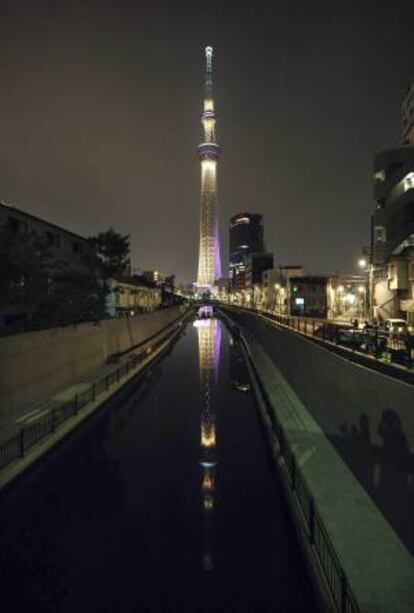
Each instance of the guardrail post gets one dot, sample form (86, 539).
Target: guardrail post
(53, 420)
(312, 520)
(107, 382)
(344, 592)
(76, 402)
(22, 442)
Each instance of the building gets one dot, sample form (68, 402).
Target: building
(308, 296)
(347, 297)
(391, 270)
(153, 276)
(407, 112)
(256, 264)
(209, 264)
(276, 287)
(129, 296)
(246, 237)
(67, 251)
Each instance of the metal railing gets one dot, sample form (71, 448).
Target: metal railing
(367, 343)
(51, 419)
(318, 537)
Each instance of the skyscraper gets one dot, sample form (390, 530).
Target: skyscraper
(209, 265)
(246, 237)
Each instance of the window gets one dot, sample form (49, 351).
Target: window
(14, 224)
(52, 239)
(75, 247)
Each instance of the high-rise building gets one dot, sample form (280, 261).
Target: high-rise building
(209, 265)
(407, 112)
(256, 265)
(246, 237)
(391, 271)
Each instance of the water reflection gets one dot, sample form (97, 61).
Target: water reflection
(209, 341)
(239, 375)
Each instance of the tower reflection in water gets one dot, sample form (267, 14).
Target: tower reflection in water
(209, 340)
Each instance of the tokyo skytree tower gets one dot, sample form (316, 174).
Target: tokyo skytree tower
(209, 265)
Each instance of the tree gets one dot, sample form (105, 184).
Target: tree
(24, 263)
(72, 296)
(113, 250)
(36, 290)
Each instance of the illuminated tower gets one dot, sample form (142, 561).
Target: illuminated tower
(209, 266)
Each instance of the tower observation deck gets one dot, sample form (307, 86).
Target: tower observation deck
(209, 265)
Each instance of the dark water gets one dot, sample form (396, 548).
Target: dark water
(164, 501)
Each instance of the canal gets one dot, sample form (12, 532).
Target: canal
(164, 501)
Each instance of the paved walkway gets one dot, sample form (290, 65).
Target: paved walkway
(379, 568)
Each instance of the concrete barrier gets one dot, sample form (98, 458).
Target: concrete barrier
(36, 365)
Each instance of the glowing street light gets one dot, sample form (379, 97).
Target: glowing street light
(362, 263)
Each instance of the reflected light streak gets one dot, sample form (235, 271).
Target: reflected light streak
(209, 341)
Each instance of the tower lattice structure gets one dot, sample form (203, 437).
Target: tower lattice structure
(209, 264)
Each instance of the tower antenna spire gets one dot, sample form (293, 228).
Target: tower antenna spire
(209, 69)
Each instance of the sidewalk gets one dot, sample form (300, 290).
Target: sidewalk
(11, 423)
(379, 568)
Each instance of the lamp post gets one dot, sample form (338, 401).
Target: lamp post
(362, 290)
(277, 298)
(368, 268)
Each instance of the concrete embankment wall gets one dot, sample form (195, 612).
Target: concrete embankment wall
(346, 399)
(367, 416)
(36, 365)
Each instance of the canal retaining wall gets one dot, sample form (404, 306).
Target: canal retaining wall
(345, 398)
(354, 554)
(366, 415)
(36, 365)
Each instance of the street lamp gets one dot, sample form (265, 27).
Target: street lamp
(368, 268)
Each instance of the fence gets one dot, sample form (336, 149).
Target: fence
(50, 420)
(318, 537)
(382, 347)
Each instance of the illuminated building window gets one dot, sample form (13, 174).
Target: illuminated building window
(242, 220)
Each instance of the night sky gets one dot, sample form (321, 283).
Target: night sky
(100, 119)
